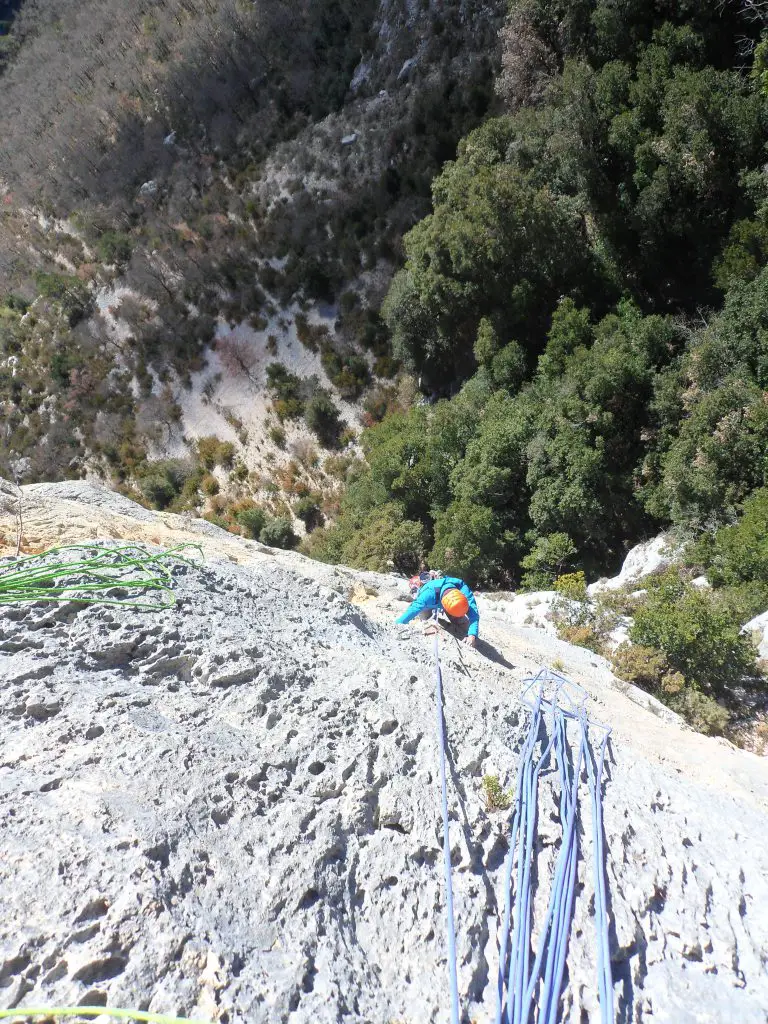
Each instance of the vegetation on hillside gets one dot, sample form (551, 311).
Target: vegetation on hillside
(590, 287)
(190, 153)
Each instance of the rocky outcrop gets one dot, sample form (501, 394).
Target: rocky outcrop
(758, 627)
(643, 559)
(229, 809)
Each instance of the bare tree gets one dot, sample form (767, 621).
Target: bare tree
(527, 63)
(238, 356)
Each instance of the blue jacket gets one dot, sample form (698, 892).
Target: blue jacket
(428, 598)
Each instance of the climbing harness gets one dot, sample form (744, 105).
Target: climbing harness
(521, 985)
(23, 1012)
(125, 575)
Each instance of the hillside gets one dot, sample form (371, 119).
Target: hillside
(191, 192)
(230, 807)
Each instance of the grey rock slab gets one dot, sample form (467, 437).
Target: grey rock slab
(232, 806)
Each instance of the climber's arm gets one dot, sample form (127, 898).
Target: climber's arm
(420, 603)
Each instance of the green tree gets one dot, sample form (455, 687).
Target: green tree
(278, 533)
(547, 560)
(738, 553)
(470, 543)
(486, 343)
(496, 247)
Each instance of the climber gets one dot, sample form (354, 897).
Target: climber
(431, 591)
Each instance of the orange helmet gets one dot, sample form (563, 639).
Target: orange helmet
(455, 603)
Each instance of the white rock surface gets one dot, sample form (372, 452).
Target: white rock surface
(645, 558)
(532, 608)
(759, 625)
(232, 807)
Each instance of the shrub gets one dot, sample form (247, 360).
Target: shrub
(702, 712)
(487, 342)
(508, 367)
(277, 436)
(308, 510)
(469, 542)
(305, 452)
(546, 561)
(162, 481)
(386, 366)
(381, 540)
(739, 553)
(496, 799)
(743, 601)
(582, 636)
(278, 533)
(638, 664)
(252, 519)
(580, 621)
(158, 490)
(378, 403)
(323, 418)
(288, 392)
(621, 601)
(311, 336)
(348, 372)
(114, 247)
(213, 452)
(209, 484)
(572, 586)
(71, 294)
(16, 302)
(699, 634)
(343, 467)
(239, 471)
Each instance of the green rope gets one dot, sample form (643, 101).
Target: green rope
(93, 573)
(94, 1011)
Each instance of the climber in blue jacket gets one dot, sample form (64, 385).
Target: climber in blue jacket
(446, 592)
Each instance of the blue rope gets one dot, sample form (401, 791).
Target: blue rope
(520, 985)
(546, 975)
(452, 969)
(604, 975)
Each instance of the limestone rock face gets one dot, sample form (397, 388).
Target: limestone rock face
(643, 559)
(230, 810)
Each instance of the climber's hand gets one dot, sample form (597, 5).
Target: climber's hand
(470, 641)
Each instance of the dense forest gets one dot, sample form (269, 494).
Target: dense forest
(590, 288)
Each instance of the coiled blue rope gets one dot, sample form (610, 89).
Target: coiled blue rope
(542, 984)
(520, 985)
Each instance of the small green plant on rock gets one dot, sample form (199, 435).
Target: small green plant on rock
(496, 798)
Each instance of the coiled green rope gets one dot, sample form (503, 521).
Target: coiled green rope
(94, 1011)
(93, 574)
